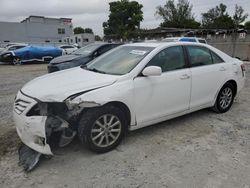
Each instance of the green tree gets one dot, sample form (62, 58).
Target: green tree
(217, 18)
(98, 38)
(89, 30)
(239, 16)
(124, 18)
(79, 30)
(247, 25)
(177, 15)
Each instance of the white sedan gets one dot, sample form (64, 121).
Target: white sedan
(130, 87)
(68, 48)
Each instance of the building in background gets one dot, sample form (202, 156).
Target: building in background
(36, 29)
(80, 39)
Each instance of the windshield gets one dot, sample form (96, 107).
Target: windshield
(87, 50)
(119, 61)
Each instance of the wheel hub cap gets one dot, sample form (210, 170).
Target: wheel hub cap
(106, 130)
(226, 98)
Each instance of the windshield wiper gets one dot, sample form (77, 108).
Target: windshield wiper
(96, 70)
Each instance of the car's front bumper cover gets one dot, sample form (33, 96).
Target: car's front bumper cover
(30, 129)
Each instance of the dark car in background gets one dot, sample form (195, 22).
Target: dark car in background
(80, 57)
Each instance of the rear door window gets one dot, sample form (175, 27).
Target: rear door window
(199, 56)
(216, 58)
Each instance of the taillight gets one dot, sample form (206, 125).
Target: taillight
(243, 69)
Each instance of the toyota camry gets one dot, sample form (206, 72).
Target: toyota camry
(130, 87)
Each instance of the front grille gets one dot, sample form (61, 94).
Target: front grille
(20, 105)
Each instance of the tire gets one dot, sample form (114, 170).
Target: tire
(224, 99)
(98, 136)
(16, 61)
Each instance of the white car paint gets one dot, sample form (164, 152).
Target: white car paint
(68, 49)
(30, 128)
(13, 47)
(54, 87)
(150, 99)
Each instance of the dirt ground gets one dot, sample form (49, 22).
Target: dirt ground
(202, 149)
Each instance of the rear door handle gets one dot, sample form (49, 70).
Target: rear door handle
(184, 77)
(222, 69)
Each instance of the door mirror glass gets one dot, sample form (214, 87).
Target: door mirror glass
(152, 71)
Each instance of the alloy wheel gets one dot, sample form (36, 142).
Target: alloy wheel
(16, 61)
(106, 130)
(226, 98)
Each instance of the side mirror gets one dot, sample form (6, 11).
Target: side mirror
(152, 71)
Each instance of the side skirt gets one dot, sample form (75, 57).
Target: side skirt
(165, 118)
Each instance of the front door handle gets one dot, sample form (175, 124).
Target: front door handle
(222, 69)
(184, 77)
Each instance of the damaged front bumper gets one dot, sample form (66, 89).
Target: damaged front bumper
(44, 125)
(40, 124)
(30, 129)
(32, 133)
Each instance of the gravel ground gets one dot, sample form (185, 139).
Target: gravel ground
(202, 149)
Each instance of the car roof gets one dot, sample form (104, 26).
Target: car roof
(145, 44)
(11, 44)
(166, 44)
(184, 37)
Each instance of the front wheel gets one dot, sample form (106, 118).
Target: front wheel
(102, 128)
(224, 99)
(16, 61)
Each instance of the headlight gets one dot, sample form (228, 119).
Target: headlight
(77, 102)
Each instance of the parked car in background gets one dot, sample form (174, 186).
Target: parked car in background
(68, 48)
(12, 47)
(185, 39)
(80, 57)
(30, 54)
(13, 43)
(129, 87)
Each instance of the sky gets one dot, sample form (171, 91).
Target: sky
(92, 13)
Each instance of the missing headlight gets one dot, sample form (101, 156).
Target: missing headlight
(34, 111)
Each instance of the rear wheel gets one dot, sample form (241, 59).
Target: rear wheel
(102, 128)
(225, 98)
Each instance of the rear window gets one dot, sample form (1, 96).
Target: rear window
(202, 41)
(199, 56)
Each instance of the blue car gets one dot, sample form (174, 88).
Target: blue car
(185, 39)
(31, 54)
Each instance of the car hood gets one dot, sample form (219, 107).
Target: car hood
(58, 86)
(65, 58)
